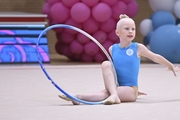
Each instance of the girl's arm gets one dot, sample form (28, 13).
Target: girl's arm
(143, 51)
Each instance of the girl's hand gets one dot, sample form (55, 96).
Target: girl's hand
(174, 69)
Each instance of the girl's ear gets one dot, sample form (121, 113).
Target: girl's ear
(117, 32)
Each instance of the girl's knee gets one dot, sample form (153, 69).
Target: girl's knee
(106, 64)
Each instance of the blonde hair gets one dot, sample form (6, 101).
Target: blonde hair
(123, 16)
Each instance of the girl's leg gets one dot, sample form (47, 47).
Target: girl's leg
(110, 83)
(92, 97)
(127, 94)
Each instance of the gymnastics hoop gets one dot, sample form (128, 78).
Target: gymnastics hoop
(47, 75)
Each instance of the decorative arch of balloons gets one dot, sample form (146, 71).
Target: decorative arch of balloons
(96, 17)
(161, 30)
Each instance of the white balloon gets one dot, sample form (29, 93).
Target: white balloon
(145, 26)
(177, 8)
(167, 5)
(178, 25)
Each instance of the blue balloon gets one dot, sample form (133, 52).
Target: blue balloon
(161, 18)
(147, 38)
(166, 41)
(177, 21)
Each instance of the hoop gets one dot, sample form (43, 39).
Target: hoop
(47, 75)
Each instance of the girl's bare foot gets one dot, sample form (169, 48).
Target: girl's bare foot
(112, 99)
(64, 97)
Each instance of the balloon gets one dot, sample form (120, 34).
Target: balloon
(101, 12)
(157, 5)
(67, 37)
(59, 12)
(70, 3)
(100, 36)
(73, 23)
(119, 8)
(147, 38)
(51, 2)
(82, 38)
(132, 8)
(165, 41)
(177, 9)
(99, 57)
(91, 48)
(91, 25)
(80, 12)
(126, 1)
(109, 2)
(161, 18)
(145, 26)
(113, 37)
(108, 26)
(86, 58)
(90, 3)
(76, 48)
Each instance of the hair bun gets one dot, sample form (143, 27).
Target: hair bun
(123, 16)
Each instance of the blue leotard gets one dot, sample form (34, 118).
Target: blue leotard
(126, 63)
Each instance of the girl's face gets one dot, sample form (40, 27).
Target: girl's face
(126, 30)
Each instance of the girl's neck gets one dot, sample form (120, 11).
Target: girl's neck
(124, 44)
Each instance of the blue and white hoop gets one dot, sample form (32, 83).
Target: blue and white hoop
(47, 75)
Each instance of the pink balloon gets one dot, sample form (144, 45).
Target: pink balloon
(82, 38)
(66, 37)
(109, 2)
(126, 1)
(99, 57)
(80, 12)
(46, 9)
(86, 58)
(100, 36)
(70, 3)
(113, 37)
(76, 48)
(108, 26)
(90, 3)
(107, 44)
(132, 8)
(59, 12)
(73, 23)
(51, 2)
(91, 25)
(91, 48)
(119, 8)
(101, 12)
(63, 49)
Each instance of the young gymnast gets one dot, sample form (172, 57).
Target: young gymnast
(126, 59)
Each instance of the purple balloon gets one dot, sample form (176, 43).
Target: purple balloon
(108, 26)
(113, 37)
(80, 12)
(91, 25)
(90, 3)
(66, 37)
(101, 12)
(59, 12)
(119, 8)
(73, 23)
(109, 2)
(99, 57)
(91, 48)
(86, 58)
(100, 36)
(82, 38)
(76, 48)
(132, 8)
(70, 3)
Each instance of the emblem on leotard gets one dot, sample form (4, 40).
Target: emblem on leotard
(129, 52)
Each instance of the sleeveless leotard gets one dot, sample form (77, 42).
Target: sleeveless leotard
(126, 63)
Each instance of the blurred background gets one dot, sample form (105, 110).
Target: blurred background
(154, 19)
